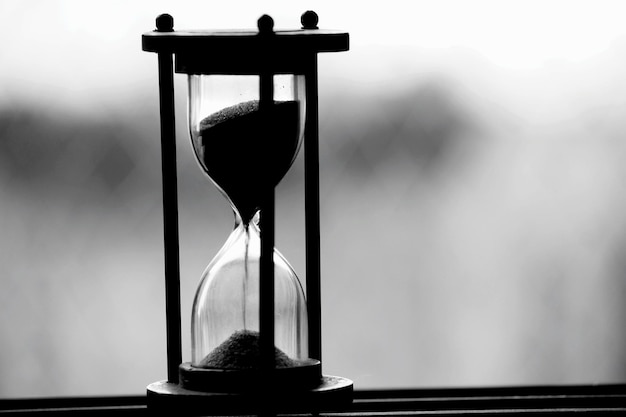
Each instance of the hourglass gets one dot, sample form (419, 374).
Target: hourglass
(256, 336)
(246, 146)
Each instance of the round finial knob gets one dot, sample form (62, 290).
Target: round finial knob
(266, 24)
(309, 20)
(165, 23)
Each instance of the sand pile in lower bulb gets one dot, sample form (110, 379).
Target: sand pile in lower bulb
(241, 351)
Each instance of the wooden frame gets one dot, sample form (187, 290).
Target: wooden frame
(264, 53)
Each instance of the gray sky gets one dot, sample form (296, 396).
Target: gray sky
(91, 50)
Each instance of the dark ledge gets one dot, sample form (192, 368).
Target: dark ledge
(589, 400)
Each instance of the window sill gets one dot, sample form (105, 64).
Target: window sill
(505, 401)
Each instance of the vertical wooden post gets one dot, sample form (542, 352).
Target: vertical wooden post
(165, 23)
(267, 225)
(312, 211)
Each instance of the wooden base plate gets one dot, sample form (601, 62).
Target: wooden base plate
(334, 393)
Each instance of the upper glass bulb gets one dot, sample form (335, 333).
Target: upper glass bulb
(226, 132)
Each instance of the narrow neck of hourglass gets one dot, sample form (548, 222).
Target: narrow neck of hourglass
(252, 220)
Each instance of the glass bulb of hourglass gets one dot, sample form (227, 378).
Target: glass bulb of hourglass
(226, 133)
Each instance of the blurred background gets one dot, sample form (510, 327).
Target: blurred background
(472, 188)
